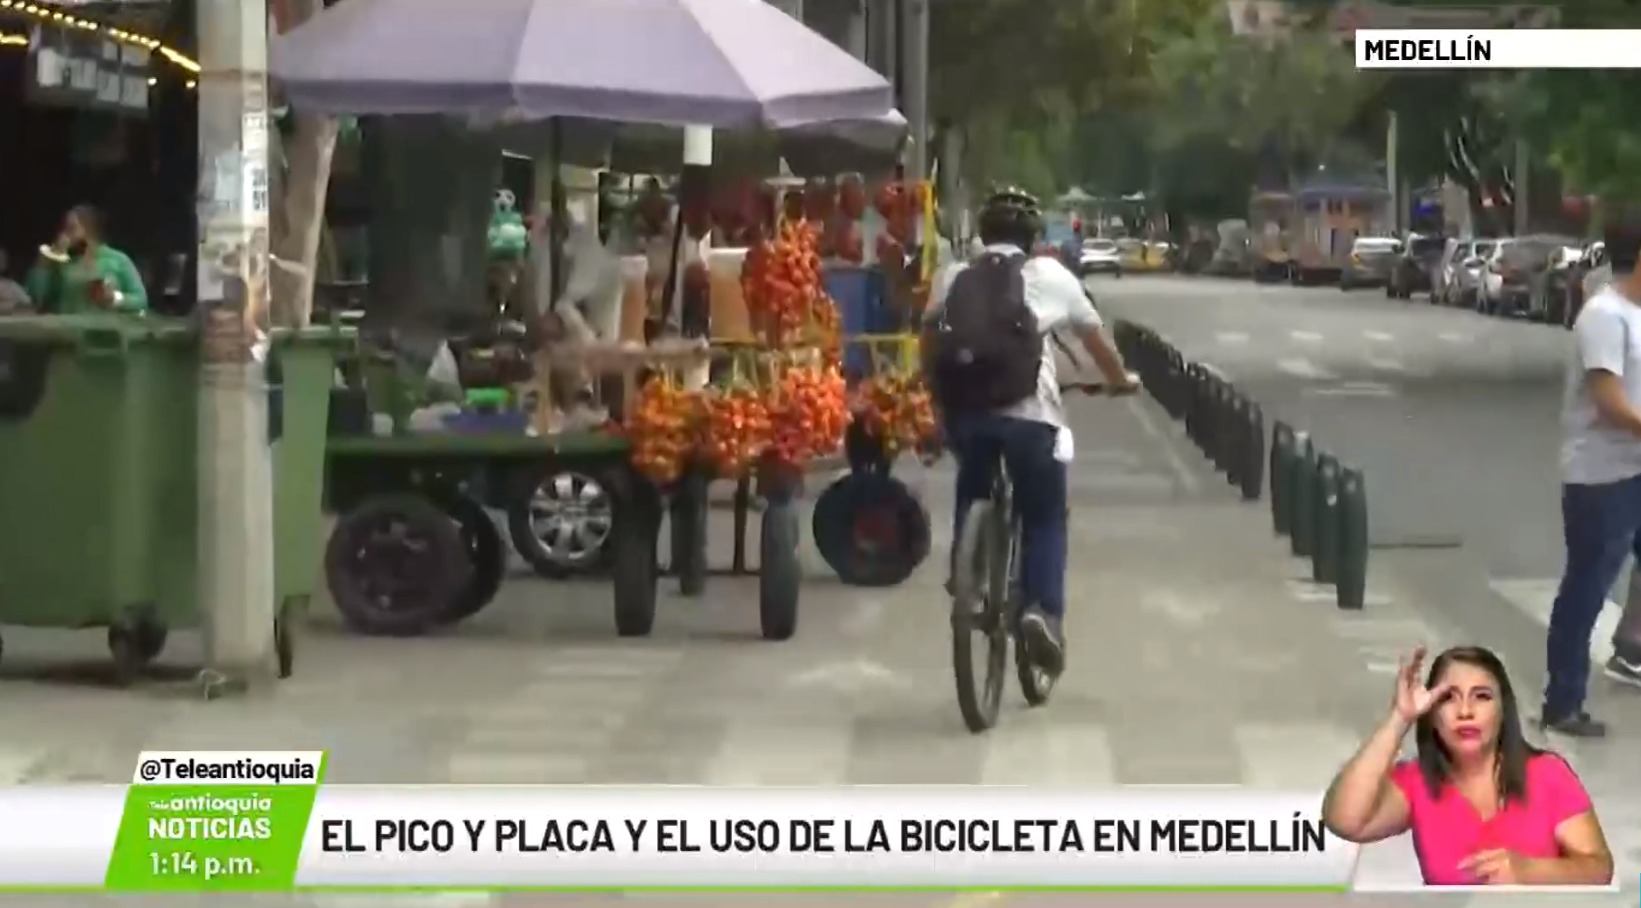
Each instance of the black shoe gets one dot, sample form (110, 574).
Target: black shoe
(1044, 643)
(1578, 725)
(1623, 671)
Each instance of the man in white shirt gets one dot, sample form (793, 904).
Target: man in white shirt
(1029, 434)
(1601, 479)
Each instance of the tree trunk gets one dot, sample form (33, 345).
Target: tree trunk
(299, 206)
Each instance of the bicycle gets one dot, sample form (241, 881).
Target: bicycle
(986, 598)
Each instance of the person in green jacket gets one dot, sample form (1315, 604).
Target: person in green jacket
(79, 273)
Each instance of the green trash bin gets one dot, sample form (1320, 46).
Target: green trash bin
(98, 428)
(89, 423)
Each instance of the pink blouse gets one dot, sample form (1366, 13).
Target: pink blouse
(1446, 830)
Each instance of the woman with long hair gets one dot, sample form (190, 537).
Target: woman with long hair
(1484, 806)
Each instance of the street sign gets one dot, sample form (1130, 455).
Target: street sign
(74, 68)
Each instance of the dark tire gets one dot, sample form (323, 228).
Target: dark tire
(486, 552)
(979, 588)
(396, 566)
(871, 530)
(134, 642)
(780, 575)
(637, 511)
(521, 528)
(687, 517)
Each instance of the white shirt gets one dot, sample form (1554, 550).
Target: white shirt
(1057, 298)
(1608, 334)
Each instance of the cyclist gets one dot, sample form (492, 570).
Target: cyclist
(991, 367)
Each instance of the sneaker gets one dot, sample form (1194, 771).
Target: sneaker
(1624, 672)
(1577, 725)
(1045, 646)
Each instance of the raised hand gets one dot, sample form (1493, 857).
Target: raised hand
(1412, 699)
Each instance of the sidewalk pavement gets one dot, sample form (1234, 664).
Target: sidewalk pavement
(1196, 656)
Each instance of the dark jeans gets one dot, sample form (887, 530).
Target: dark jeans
(1599, 523)
(1027, 449)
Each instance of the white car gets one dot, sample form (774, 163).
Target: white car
(1099, 256)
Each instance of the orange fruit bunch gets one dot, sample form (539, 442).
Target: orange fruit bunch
(662, 430)
(811, 413)
(780, 280)
(736, 430)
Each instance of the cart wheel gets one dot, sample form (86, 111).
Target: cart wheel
(871, 529)
(778, 570)
(290, 616)
(687, 515)
(485, 550)
(560, 521)
(396, 565)
(637, 520)
(134, 642)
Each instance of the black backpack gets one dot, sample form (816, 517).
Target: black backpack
(989, 350)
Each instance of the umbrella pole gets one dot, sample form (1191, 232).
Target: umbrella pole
(558, 230)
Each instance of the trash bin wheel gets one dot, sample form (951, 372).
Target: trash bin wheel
(779, 574)
(637, 511)
(485, 550)
(395, 566)
(134, 641)
(286, 624)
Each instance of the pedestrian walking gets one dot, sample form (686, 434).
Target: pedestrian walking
(1601, 477)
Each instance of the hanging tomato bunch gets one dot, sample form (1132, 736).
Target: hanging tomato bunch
(897, 410)
(780, 281)
(852, 197)
(662, 429)
(736, 429)
(811, 412)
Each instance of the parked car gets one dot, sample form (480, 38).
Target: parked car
(1370, 263)
(1414, 270)
(1548, 299)
(1506, 281)
(1591, 273)
(1100, 256)
(1464, 274)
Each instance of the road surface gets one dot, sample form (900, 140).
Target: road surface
(1452, 417)
(1197, 655)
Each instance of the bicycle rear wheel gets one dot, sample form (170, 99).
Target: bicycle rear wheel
(979, 607)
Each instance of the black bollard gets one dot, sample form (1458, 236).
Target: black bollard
(1353, 540)
(1284, 457)
(1172, 383)
(1325, 502)
(1210, 417)
(1192, 392)
(1253, 453)
(1302, 531)
(1231, 443)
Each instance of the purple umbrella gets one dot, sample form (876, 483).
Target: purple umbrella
(718, 63)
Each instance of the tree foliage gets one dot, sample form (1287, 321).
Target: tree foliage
(1290, 98)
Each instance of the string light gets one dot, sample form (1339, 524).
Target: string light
(69, 20)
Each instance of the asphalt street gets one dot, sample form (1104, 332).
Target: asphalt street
(1452, 417)
(1198, 654)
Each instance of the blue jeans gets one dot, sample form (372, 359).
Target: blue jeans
(1027, 449)
(1599, 523)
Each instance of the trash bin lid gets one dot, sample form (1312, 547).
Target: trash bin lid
(73, 329)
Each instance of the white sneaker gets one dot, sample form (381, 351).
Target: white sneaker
(1623, 672)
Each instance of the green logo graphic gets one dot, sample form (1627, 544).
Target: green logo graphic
(211, 838)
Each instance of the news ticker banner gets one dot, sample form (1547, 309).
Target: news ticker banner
(1451, 48)
(264, 822)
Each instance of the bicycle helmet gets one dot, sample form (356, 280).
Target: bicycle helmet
(1011, 215)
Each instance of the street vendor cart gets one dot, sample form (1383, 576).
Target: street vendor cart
(406, 499)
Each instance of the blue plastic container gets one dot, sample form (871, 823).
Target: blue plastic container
(858, 292)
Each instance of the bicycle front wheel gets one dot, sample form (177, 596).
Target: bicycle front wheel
(979, 603)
